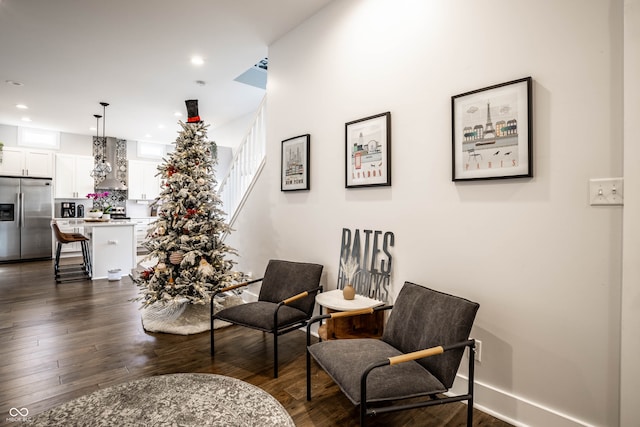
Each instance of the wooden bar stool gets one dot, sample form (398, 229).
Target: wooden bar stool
(71, 272)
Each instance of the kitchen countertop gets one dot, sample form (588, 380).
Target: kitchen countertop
(91, 223)
(110, 223)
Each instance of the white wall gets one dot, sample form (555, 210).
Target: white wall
(71, 143)
(630, 378)
(9, 135)
(544, 265)
(230, 134)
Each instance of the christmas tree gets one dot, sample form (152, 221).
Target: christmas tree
(185, 241)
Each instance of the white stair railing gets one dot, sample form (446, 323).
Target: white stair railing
(245, 166)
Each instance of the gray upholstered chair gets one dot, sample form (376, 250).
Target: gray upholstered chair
(417, 357)
(285, 303)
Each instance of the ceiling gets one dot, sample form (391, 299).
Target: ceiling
(70, 55)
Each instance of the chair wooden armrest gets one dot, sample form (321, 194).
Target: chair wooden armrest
(236, 286)
(294, 298)
(427, 352)
(300, 295)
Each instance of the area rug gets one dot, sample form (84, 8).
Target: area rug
(171, 400)
(191, 319)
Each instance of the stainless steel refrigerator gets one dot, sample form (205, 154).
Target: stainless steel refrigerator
(25, 218)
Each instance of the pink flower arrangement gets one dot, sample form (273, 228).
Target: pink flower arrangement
(98, 203)
(97, 196)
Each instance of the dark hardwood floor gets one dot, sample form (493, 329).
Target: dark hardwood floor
(59, 342)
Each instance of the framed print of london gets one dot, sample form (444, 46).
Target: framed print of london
(492, 132)
(368, 151)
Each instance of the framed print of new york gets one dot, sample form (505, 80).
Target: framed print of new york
(368, 151)
(492, 132)
(295, 163)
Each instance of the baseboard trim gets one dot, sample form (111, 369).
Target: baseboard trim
(513, 409)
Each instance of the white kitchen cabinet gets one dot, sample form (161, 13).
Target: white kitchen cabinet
(73, 176)
(12, 162)
(143, 182)
(113, 247)
(26, 162)
(140, 230)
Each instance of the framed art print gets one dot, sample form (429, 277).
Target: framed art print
(492, 132)
(295, 163)
(368, 151)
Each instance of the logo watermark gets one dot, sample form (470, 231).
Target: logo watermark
(18, 415)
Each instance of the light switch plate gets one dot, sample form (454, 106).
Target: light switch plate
(606, 191)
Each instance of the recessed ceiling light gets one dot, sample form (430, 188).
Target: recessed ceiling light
(160, 126)
(13, 83)
(197, 60)
(22, 106)
(26, 119)
(147, 135)
(177, 114)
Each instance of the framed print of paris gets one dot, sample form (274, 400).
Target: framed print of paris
(492, 132)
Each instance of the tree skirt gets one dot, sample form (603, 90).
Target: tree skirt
(186, 319)
(171, 400)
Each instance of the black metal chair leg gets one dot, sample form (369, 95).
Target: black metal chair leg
(470, 391)
(83, 249)
(308, 375)
(56, 265)
(89, 260)
(275, 354)
(86, 257)
(212, 320)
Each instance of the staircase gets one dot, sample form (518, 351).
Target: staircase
(245, 166)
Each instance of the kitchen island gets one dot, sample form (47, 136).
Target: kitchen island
(113, 246)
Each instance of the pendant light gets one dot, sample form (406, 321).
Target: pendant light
(100, 170)
(109, 182)
(104, 118)
(105, 163)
